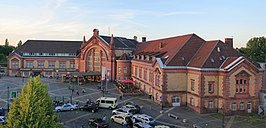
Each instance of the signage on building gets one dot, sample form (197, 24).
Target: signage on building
(108, 75)
(13, 94)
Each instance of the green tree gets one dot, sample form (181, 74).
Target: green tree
(19, 43)
(255, 49)
(33, 108)
(5, 51)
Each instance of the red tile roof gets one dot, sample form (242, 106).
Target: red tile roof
(190, 50)
(202, 54)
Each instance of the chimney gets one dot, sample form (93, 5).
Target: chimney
(95, 32)
(135, 38)
(143, 39)
(229, 42)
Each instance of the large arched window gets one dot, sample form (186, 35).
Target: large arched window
(95, 60)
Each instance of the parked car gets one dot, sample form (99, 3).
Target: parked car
(122, 119)
(141, 125)
(98, 123)
(93, 107)
(127, 111)
(135, 108)
(143, 118)
(2, 120)
(2, 111)
(66, 107)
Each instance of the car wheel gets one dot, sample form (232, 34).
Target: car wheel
(81, 109)
(89, 123)
(114, 113)
(112, 120)
(71, 109)
(92, 111)
(58, 110)
(110, 107)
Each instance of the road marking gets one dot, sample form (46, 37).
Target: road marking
(77, 118)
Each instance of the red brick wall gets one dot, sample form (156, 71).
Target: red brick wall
(120, 64)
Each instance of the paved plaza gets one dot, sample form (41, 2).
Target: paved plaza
(77, 119)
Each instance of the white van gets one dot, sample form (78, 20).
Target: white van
(107, 102)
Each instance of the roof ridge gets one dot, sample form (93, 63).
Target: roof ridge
(169, 60)
(196, 53)
(170, 37)
(209, 53)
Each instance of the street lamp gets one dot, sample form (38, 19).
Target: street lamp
(222, 112)
(8, 99)
(71, 87)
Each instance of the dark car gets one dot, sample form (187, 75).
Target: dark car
(93, 107)
(98, 123)
(136, 108)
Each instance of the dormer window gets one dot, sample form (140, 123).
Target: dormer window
(212, 60)
(218, 49)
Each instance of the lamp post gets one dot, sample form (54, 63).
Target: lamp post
(71, 87)
(7, 99)
(222, 112)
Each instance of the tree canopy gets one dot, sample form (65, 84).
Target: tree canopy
(33, 108)
(255, 49)
(19, 43)
(5, 51)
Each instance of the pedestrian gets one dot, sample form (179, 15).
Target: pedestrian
(83, 90)
(77, 92)
(88, 101)
(104, 118)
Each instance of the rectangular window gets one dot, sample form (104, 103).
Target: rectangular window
(192, 102)
(140, 72)
(241, 105)
(145, 74)
(62, 65)
(14, 64)
(41, 64)
(136, 71)
(211, 87)
(119, 69)
(29, 65)
(51, 65)
(234, 107)
(192, 84)
(151, 77)
(157, 80)
(72, 65)
(210, 104)
(125, 69)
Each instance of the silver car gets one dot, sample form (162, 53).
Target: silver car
(127, 111)
(66, 107)
(2, 120)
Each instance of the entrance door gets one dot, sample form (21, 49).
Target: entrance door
(249, 106)
(176, 101)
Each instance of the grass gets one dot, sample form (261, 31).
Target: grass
(251, 119)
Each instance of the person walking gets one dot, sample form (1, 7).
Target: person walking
(104, 118)
(83, 90)
(77, 92)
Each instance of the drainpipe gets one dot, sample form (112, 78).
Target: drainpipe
(186, 85)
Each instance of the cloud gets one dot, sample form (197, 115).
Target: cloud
(58, 3)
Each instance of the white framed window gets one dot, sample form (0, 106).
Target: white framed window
(41, 64)
(51, 65)
(125, 69)
(62, 65)
(72, 65)
(192, 84)
(29, 65)
(192, 101)
(210, 104)
(119, 69)
(211, 86)
(241, 105)
(233, 107)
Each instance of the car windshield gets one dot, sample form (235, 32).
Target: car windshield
(150, 119)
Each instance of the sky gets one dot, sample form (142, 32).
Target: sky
(153, 19)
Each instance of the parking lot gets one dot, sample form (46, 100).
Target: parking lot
(77, 119)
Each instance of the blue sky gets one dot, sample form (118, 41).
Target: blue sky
(154, 19)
